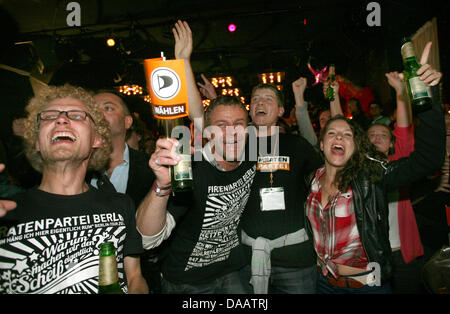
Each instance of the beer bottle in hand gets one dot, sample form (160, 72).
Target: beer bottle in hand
(181, 174)
(419, 92)
(108, 276)
(331, 79)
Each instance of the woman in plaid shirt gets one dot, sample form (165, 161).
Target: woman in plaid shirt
(347, 207)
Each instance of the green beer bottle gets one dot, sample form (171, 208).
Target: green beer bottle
(108, 276)
(419, 92)
(331, 79)
(181, 174)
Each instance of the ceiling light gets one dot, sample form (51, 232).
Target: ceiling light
(111, 42)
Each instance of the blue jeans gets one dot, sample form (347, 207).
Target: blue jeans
(228, 284)
(324, 287)
(285, 280)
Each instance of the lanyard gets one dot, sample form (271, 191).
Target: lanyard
(273, 155)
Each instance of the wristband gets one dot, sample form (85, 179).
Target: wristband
(161, 192)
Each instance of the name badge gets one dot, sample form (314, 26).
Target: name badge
(272, 199)
(271, 163)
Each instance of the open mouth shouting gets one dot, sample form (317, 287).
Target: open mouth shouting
(62, 137)
(337, 149)
(260, 112)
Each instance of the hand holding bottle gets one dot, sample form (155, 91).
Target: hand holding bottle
(428, 75)
(165, 155)
(334, 85)
(418, 76)
(171, 164)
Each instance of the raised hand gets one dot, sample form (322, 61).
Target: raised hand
(183, 40)
(299, 86)
(207, 89)
(163, 157)
(335, 86)
(428, 74)
(396, 80)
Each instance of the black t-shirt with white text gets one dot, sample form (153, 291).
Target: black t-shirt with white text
(50, 243)
(294, 161)
(205, 242)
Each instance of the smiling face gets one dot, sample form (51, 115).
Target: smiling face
(264, 107)
(380, 136)
(66, 140)
(338, 143)
(227, 131)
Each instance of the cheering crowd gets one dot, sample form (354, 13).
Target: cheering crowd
(270, 212)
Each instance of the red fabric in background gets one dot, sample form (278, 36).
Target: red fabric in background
(347, 90)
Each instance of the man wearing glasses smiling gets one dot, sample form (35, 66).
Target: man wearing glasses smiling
(50, 242)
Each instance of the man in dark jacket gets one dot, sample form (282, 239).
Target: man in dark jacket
(128, 170)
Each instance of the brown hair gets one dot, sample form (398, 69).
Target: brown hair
(278, 94)
(359, 161)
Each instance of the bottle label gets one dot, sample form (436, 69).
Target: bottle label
(183, 170)
(418, 88)
(408, 50)
(107, 274)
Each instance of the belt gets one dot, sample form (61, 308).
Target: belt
(261, 249)
(343, 281)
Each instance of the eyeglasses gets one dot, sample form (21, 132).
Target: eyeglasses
(76, 115)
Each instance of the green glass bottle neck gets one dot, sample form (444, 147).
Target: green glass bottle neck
(107, 249)
(411, 63)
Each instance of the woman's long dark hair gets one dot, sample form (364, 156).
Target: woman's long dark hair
(359, 161)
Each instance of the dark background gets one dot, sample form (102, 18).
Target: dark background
(270, 36)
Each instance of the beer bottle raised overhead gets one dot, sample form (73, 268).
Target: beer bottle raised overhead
(181, 174)
(108, 276)
(331, 79)
(419, 92)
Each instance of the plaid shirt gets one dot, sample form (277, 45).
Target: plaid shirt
(336, 236)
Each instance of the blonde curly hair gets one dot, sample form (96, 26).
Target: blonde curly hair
(39, 102)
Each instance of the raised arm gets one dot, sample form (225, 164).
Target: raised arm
(404, 112)
(183, 50)
(335, 105)
(151, 214)
(207, 89)
(301, 111)
(429, 153)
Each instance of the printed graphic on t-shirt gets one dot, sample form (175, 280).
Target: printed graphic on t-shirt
(224, 206)
(58, 255)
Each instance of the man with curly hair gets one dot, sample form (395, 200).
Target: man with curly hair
(50, 242)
